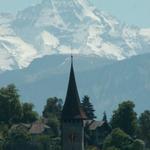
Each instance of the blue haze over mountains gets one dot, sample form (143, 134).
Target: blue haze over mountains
(112, 60)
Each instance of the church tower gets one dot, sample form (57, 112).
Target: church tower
(72, 117)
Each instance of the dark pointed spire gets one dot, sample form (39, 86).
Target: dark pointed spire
(71, 59)
(72, 108)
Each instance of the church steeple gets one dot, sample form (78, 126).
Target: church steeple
(72, 117)
(72, 107)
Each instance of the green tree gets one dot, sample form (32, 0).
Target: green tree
(105, 117)
(91, 148)
(45, 142)
(117, 140)
(42, 142)
(55, 144)
(3, 130)
(1, 144)
(54, 124)
(125, 118)
(138, 145)
(144, 127)
(113, 148)
(29, 115)
(17, 139)
(10, 106)
(53, 107)
(52, 111)
(88, 107)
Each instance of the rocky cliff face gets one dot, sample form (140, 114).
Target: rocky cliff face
(59, 27)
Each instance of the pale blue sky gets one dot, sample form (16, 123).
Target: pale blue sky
(132, 12)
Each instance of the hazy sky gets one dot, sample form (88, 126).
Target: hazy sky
(133, 12)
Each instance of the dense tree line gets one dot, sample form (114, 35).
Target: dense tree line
(13, 111)
(129, 131)
(11, 108)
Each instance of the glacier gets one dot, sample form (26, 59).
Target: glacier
(61, 27)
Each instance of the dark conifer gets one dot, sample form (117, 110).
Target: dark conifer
(105, 117)
(88, 107)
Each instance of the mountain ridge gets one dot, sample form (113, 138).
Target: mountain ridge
(111, 59)
(107, 83)
(51, 27)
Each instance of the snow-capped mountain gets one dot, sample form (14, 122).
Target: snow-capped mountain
(62, 26)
